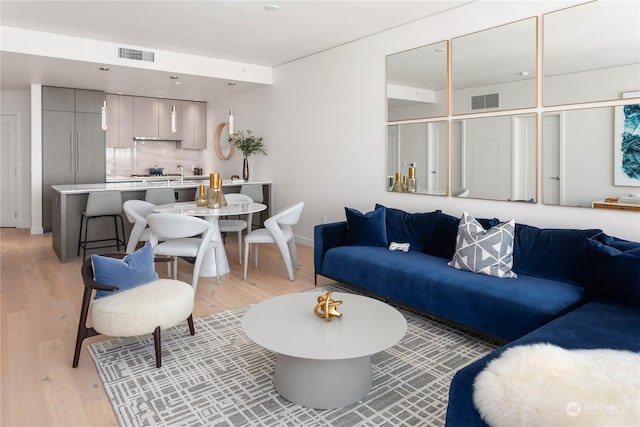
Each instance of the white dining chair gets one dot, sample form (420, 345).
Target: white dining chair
(277, 230)
(182, 236)
(236, 225)
(136, 212)
(160, 196)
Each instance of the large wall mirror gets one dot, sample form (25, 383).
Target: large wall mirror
(423, 145)
(495, 69)
(417, 83)
(591, 52)
(583, 156)
(495, 158)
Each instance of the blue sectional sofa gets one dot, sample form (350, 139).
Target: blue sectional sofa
(566, 292)
(550, 264)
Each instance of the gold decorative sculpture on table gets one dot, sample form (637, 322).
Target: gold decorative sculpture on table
(326, 307)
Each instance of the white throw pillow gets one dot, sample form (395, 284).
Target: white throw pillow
(483, 251)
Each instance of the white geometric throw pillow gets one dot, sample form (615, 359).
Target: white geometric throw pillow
(483, 251)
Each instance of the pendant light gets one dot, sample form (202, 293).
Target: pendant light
(174, 128)
(231, 132)
(174, 115)
(103, 110)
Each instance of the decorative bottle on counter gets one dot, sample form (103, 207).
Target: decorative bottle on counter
(201, 199)
(405, 184)
(215, 196)
(412, 178)
(397, 187)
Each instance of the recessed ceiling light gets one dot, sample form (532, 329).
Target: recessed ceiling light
(272, 8)
(523, 73)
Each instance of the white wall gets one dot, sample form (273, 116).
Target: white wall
(324, 125)
(17, 102)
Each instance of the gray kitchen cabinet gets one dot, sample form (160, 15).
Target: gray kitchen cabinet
(164, 119)
(145, 117)
(194, 124)
(119, 131)
(58, 99)
(111, 135)
(90, 152)
(73, 143)
(125, 120)
(58, 147)
(89, 101)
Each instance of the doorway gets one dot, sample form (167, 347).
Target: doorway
(8, 170)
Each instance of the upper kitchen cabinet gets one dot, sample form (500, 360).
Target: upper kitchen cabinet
(58, 99)
(169, 125)
(145, 117)
(194, 125)
(88, 101)
(119, 131)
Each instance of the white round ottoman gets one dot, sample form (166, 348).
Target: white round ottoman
(145, 309)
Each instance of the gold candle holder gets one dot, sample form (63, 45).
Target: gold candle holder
(215, 196)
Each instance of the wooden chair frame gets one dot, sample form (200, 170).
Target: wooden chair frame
(89, 286)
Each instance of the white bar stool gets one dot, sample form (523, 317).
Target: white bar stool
(102, 204)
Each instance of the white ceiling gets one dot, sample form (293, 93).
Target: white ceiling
(235, 30)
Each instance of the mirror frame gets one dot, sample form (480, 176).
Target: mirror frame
(500, 72)
(527, 185)
(217, 143)
(421, 169)
(439, 76)
(577, 23)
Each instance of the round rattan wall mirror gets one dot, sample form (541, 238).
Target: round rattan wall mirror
(224, 147)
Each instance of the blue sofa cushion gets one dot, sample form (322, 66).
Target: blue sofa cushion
(552, 253)
(614, 270)
(442, 242)
(593, 325)
(366, 229)
(483, 251)
(133, 270)
(506, 309)
(412, 228)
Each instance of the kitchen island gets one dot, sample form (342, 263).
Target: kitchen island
(69, 201)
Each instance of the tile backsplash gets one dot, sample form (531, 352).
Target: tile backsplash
(124, 162)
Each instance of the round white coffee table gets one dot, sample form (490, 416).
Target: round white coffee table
(323, 364)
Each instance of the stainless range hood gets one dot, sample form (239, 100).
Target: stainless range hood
(153, 138)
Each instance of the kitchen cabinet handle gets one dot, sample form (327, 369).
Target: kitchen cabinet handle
(70, 153)
(77, 156)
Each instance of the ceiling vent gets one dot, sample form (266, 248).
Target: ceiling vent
(481, 102)
(135, 54)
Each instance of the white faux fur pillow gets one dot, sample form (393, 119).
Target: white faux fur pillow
(545, 385)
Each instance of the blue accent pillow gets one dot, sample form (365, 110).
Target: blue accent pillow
(614, 270)
(412, 228)
(133, 270)
(552, 253)
(366, 229)
(442, 242)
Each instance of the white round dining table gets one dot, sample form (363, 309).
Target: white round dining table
(221, 265)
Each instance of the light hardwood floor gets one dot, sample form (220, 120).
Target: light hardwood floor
(40, 303)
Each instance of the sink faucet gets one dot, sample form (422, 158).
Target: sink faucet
(181, 174)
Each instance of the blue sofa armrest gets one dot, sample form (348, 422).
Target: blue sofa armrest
(325, 237)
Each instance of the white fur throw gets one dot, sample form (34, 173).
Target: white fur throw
(545, 385)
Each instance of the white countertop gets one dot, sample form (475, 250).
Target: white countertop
(154, 178)
(134, 186)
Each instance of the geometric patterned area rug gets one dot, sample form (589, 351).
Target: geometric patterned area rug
(219, 377)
